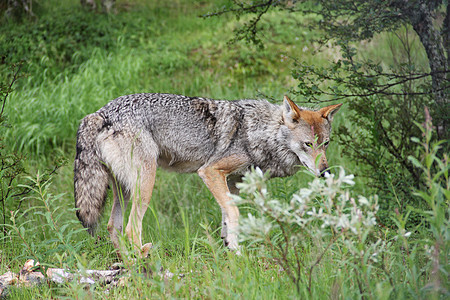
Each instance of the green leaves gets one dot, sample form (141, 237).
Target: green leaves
(50, 219)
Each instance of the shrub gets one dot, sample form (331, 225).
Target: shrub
(325, 224)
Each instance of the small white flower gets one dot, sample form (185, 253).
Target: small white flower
(304, 193)
(343, 222)
(363, 201)
(374, 256)
(349, 179)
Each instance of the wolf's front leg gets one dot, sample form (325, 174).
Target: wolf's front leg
(223, 232)
(231, 183)
(232, 227)
(215, 178)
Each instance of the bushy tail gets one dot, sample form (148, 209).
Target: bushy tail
(90, 174)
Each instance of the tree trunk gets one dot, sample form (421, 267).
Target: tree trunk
(421, 19)
(446, 35)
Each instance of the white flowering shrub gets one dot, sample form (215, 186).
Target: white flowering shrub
(325, 212)
(328, 242)
(327, 201)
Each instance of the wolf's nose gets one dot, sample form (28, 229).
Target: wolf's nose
(323, 172)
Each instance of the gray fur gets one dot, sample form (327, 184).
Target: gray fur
(182, 134)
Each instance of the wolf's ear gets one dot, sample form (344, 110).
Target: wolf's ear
(328, 112)
(291, 112)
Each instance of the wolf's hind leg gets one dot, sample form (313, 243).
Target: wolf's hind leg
(141, 195)
(115, 224)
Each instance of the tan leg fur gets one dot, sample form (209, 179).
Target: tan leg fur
(215, 178)
(115, 223)
(140, 202)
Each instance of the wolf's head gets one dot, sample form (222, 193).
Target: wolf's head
(308, 133)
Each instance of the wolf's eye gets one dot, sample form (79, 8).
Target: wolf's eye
(326, 143)
(308, 144)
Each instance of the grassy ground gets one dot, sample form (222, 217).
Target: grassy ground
(76, 61)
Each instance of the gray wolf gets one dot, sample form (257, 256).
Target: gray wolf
(126, 140)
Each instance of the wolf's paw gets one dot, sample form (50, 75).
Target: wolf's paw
(231, 242)
(145, 249)
(235, 249)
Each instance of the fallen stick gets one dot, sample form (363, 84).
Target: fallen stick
(28, 277)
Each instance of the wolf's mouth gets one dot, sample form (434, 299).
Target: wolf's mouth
(308, 162)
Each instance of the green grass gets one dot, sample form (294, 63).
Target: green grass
(76, 64)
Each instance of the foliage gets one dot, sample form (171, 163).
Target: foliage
(344, 227)
(436, 194)
(58, 234)
(49, 237)
(58, 44)
(385, 95)
(11, 163)
(323, 214)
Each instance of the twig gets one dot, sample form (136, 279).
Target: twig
(15, 77)
(319, 259)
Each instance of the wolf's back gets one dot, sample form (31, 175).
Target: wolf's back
(90, 174)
